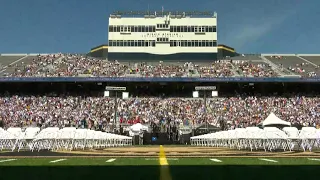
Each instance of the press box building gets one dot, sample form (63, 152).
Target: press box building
(167, 36)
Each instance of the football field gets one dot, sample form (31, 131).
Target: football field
(161, 167)
(150, 161)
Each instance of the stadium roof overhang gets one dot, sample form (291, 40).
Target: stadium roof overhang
(227, 48)
(104, 46)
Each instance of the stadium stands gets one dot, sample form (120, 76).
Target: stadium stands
(98, 112)
(293, 64)
(6, 61)
(254, 69)
(315, 62)
(32, 66)
(68, 122)
(72, 65)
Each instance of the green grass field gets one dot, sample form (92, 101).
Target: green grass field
(150, 168)
(158, 168)
(105, 161)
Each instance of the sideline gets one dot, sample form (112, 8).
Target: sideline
(164, 165)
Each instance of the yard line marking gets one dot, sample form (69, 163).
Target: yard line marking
(7, 160)
(164, 165)
(162, 157)
(216, 160)
(269, 160)
(111, 160)
(153, 159)
(313, 159)
(58, 160)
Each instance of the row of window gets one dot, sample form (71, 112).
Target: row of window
(162, 39)
(173, 43)
(193, 29)
(126, 29)
(163, 26)
(133, 43)
(193, 43)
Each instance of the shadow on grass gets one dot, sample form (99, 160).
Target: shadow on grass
(215, 172)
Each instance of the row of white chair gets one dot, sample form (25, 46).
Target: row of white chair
(269, 138)
(53, 138)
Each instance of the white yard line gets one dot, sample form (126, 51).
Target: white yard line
(58, 160)
(269, 160)
(216, 160)
(313, 159)
(7, 160)
(111, 160)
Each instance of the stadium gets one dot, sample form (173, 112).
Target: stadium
(162, 94)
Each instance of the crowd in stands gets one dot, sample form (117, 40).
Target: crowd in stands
(99, 113)
(217, 69)
(248, 69)
(35, 68)
(69, 65)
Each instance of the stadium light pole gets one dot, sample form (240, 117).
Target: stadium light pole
(205, 89)
(116, 90)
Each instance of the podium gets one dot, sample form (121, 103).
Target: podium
(157, 139)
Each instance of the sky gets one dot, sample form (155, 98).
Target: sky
(75, 26)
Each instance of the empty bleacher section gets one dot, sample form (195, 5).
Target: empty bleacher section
(314, 59)
(292, 63)
(20, 66)
(315, 62)
(247, 57)
(8, 60)
(31, 65)
(287, 64)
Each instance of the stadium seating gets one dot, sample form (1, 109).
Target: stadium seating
(294, 64)
(74, 65)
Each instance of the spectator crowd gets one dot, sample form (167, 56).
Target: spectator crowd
(71, 65)
(99, 112)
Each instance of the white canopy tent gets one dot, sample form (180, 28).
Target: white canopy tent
(136, 128)
(272, 119)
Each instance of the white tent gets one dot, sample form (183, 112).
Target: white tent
(272, 119)
(138, 127)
